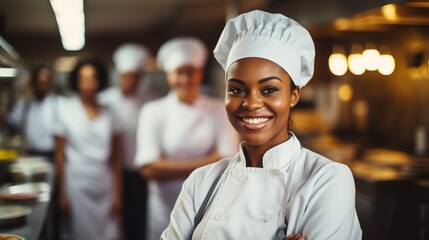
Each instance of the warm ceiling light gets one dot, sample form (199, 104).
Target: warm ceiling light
(386, 64)
(355, 60)
(71, 23)
(345, 93)
(337, 61)
(371, 57)
(389, 12)
(356, 64)
(342, 24)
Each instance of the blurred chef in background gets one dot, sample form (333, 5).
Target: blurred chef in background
(181, 131)
(125, 102)
(36, 115)
(87, 159)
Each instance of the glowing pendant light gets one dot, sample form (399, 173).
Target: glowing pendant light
(371, 57)
(355, 60)
(338, 61)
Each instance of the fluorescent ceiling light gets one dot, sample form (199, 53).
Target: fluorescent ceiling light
(71, 23)
(7, 72)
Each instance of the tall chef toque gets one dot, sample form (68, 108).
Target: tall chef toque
(130, 57)
(274, 37)
(182, 51)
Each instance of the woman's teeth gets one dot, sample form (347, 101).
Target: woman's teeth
(255, 120)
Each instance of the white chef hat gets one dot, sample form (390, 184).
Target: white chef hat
(274, 37)
(130, 57)
(181, 51)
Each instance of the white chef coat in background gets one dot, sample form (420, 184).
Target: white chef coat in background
(37, 118)
(89, 179)
(316, 195)
(125, 111)
(176, 130)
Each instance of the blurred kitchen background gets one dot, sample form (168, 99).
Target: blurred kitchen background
(367, 105)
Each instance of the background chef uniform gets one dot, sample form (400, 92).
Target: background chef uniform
(89, 177)
(36, 116)
(175, 130)
(316, 195)
(125, 106)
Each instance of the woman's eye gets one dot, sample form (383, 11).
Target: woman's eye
(269, 90)
(235, 91)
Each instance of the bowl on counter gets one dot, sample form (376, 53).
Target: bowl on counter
(13, 215)
(25, 193)
(29, 169)
(6, 236)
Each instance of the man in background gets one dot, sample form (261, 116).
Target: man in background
(125, 101)
(35, 116)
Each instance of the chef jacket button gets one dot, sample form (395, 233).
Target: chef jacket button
(235, 173)
(277, 172)
(219, 217)
(268, 217)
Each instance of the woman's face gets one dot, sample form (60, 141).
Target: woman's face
(129, 82)
(185, 81)
(88, 82)
(258, 100)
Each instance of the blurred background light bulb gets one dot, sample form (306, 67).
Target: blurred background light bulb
(386, 64)
(371, 57)
(337, 61)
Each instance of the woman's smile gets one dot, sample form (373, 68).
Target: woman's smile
(254, 122)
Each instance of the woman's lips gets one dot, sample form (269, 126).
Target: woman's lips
(254, 122)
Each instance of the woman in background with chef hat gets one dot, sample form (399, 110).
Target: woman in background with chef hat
(181, 131)
(125, 101)
(274, 187)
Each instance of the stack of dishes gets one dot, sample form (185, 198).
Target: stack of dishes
(13, 215)
(29, 169)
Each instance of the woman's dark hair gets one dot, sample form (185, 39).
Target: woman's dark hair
(290, 122)
(35, 71)
(292, 85)
(99, 68)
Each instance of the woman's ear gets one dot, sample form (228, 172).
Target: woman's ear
(294, 96)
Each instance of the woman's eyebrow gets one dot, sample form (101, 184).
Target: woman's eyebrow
(269, 78)
(241, 82)
(238, 81)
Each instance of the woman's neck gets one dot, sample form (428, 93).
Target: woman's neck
(90, 107)
(88, 101)
(254, 155)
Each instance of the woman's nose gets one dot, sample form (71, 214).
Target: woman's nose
(184, 78)
(252, 101)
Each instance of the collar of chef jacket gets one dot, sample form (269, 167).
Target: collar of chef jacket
(278, 157)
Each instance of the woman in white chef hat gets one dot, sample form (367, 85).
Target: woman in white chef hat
(181, 131)
(274, 187)
(125, 102)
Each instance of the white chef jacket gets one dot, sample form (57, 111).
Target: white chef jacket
(316, 195)
(38, 120)
(88, 173)
(125, 111)
(176, 130)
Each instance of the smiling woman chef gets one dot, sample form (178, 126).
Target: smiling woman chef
(274, 187)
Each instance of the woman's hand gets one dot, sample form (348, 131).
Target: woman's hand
(116, 205)
(299, 236)
(65, 206)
